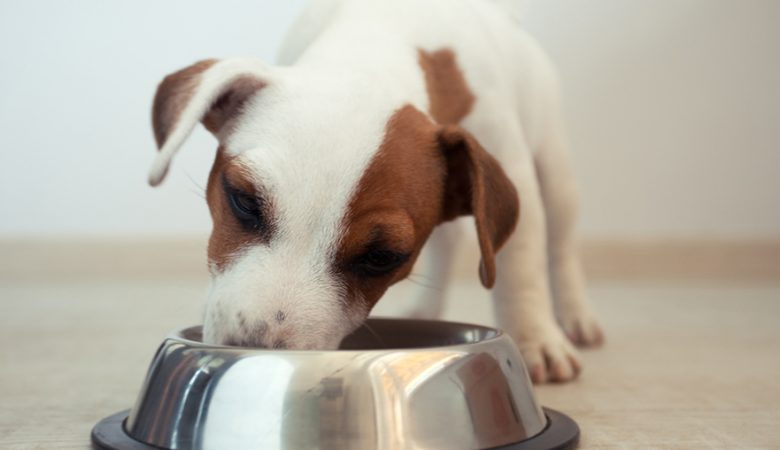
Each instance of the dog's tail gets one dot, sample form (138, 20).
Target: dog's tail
(515, 8)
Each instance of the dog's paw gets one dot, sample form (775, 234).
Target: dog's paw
(582, 328)
(550, 357)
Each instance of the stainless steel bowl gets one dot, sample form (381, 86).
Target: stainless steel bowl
(394, 384)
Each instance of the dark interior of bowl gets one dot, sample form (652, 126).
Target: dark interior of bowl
(378, 334)
(381, 334)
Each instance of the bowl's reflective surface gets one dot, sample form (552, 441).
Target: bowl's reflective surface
(396, 384)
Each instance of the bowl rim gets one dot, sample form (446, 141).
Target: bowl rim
(493, 335)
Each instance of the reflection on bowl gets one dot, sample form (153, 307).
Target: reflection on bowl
(394, 384)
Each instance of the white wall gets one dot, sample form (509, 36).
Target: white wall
(77, 84)
(674, 112)
(673, 107)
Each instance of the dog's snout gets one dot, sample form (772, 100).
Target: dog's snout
(249, 333)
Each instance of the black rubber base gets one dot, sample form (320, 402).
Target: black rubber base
(561, 433)
(109, 434)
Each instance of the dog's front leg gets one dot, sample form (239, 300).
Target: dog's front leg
(522, 299)
(556, 180)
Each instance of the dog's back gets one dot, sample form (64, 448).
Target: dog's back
(503, 64)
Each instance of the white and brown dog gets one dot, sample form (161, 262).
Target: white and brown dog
(385, 119)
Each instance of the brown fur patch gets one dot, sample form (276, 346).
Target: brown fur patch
(424, 174)
(229, 104)
(450, 97)
(173, 94)
(396, 202)
(475, 184)
(228, 236)
(176, 90)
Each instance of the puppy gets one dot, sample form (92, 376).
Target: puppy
(384, 119)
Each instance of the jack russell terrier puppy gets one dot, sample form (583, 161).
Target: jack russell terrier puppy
(384, 119)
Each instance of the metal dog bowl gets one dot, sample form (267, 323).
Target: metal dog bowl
(394, 384)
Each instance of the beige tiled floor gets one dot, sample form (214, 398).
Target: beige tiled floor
(685, 366)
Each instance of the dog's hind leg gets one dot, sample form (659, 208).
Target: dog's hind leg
(559, 193)
(435, 272)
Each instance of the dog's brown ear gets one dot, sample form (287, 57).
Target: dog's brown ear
(209, 91)
(476, 184)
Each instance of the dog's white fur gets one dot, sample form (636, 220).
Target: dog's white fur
(311, 132)
(311, 172)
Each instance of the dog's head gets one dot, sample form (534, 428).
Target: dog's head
(322, 194)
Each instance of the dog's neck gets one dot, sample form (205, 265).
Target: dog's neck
(369, 58)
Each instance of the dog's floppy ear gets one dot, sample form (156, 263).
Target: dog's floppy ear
(210, 91)
(476, 184)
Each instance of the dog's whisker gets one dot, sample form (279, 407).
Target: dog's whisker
(376, 335)
(423, 284)
(198, 193)
(421, 275)
(198, 186)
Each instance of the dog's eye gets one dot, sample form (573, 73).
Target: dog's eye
(378, 262)
(245, 207)
(244, 204)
